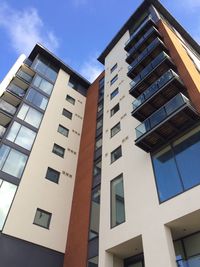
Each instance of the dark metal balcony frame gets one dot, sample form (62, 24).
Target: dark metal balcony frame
(163, 59)
(23, 79)
(186, 109)
(146, 39)
(148, 98)
(151, 52)
(142, 28)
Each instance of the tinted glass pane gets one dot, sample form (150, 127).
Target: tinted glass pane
(58, 150)
(97, 168)
(70, 99)
(43, 84)
(187, 150)
(52, 175)
(115, 129)
(42, 218)
(7, 192)
(64, 131)
(67, 114)
(21, 135)
(95, 212)
(37, 99)
(117, 201)
(167, 177)
(114, 110)
(42, 66)
(15, 163)
(192, 245)
(30, 115)
(114, 93)
(4, 150)
(93, 262)
(116, 154)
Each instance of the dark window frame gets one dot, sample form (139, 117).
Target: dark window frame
(67, 113)
(115, 150)
(68, 98)
(111, 134)
(62, 156)
(49, 220)
(61, 126)
(114, 79)
(55, 171)
(114, 68)
(113, 111)
(113, 94)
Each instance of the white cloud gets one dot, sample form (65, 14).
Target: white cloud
(91, 69)
(78, 3)
(25, 28)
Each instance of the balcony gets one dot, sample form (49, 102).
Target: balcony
(7, 108)
(144, 41)
(169, 121)
(155, 96)
(16, 90)
(139, 32)
(2, 131)
(24, 76)
(152, 51)
(150, 74)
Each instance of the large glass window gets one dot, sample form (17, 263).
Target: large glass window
(37, 99)
(21, 135)
(12, 161)
(30, 115)
(95, 212)
(172, 171)
(117, 201)
(42, 218)
(7, 192)
(43, 84)
(43, 66)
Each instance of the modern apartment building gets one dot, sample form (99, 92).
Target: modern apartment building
(104, 174)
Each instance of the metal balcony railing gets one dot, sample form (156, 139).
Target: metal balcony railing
(145, 72)
(160, 115)
(155, 87)
(8, 108)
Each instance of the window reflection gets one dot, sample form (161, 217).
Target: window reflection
(43, 84)
(37, 99)
(30, 115)
(95, 213)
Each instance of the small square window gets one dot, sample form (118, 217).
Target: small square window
(70, 99)
(114, 110)
(62, 130)
(115, 129)
(113, 68)
(52, 175)
(116, 154)
(114, 79)
(114, 93)
(67, 113)
(42, 218)
(58, 150)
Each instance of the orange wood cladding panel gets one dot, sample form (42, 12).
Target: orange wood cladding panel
(77, 241)
(186, 68)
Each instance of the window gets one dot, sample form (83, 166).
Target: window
(58, 150)
(115, 129)
(173, 173)
(117, 201)
(67, 113)
(52, 175)
(43, 66)
(116, 154)
(43, 84)
(98, 143)
(12, 161)
(42, 218)
(114, 93)
(64, 131)
(37, 99)
(95, 213)
(70, 99)
(7, 192)
(93, 262)
(21, 135)
(100, 106)
(114, 79)
(114, 110)
(113, 68)
(30, 115)
(97, 167)
(99, 122)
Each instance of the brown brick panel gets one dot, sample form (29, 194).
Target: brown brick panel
(185, 65)
(77, 241)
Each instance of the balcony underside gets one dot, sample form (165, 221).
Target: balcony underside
(5, 119)
(151, 77)
(173, 126)
(140, 33)
(157, 100)
(134, 53)
(11, 98)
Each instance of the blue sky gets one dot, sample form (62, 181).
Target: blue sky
(77, 31)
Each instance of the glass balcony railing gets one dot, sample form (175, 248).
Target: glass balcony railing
(16, 90)
(2, 131)
(142, 25)
(151, 66)
(25, 76)
(145, 53)
(8, 108)
(142, 40)
(155, 87)
(160, 115)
